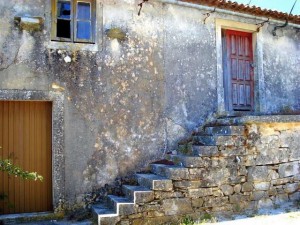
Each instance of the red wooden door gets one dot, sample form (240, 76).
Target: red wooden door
(239, 70)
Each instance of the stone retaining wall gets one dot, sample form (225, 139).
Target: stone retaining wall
(261, 171)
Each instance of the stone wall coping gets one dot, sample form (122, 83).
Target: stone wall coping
(270, 119)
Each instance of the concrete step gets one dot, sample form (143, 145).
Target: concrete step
(225, 130)
(154, 182)
(221, 140)
(173, 172)
(121, 205)
(103, 214)
(138, 194)
(190, 161)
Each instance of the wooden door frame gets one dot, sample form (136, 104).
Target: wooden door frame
(58, 136)
(223, 109)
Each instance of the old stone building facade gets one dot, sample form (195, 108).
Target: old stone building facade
(126, 88)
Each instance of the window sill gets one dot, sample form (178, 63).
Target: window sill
(72, 46)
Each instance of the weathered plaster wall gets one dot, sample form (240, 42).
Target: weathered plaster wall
(132, 100)
(281, 69)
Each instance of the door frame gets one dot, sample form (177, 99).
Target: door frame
(223, 109)
(58, 136)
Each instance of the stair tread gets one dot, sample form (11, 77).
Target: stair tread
(103, 210)
(170, 166)
(152, 176)
(120, 199)
(137, 188)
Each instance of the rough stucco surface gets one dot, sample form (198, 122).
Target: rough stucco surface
(131, 101)
(281, 70)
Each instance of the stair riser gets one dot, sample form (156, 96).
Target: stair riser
(205, 151)
(190, 162)
(124, 208)
(170, 173)
(157, 185)
(139, 196)
(220, 140)
(108, 220)
(111, 203)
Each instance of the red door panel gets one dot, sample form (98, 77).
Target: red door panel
(239, 71)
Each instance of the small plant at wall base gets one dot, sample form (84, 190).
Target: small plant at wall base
(8, 167)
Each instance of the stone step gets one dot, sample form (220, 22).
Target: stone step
(202, 150)
(138, 194)
(221, 140)
(122, 205)
(172, 172)
(103, 214)
(154, 182)
(227, 121)
(190, 161)
(225, 130)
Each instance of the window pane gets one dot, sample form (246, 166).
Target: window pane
(83, 11)
(64, 10)
(83, 30)
(63, 28)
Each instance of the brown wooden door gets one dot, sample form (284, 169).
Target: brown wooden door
(238, 71)
(25, 138)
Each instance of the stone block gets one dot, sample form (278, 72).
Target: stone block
(154, 220)
(265, 203)
(242, 171)
(225, 130)
(237, 198)
(171, 172)
(191, 162)
(223, 208)
(199, 172)
(218, 193)
(291, 188)
(215, 201)
(197, 202)
(202, 150)
(258, 173)
(281, 198)
(296, 178)
(153, 214)
(247, 187)
(257, 195)
(165, 195)
(124, 222)
(273, 175)
(272, 154)
(200, 192)
(232, 150)
(272, 191)
(281, 181)
(249, 160)
(295, 196)
(289, 169)
(227, 189)
(177, 206)
(184, 184)
(262, 186)
(237, 188)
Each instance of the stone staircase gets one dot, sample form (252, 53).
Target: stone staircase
(166, 178)
(227, 166)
